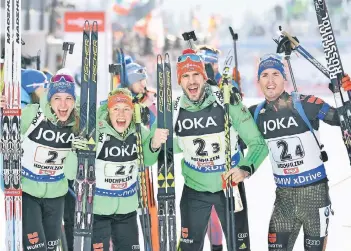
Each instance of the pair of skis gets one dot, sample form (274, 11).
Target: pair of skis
(10, 123)
(165, 171)
(85, 180)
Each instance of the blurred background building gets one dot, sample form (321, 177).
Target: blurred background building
(144, 28)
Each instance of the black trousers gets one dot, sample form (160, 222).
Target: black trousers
(68, 217)
(42, 220)
(121, 228)
(195, 209)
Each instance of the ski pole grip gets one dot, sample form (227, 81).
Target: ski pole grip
(114, 69)
(234, 35)
(188, 36)
(293, 41)
(68, 46)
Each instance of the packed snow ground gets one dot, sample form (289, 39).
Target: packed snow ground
(260, 194)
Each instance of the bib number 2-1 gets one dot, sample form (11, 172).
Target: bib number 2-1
(48, 156)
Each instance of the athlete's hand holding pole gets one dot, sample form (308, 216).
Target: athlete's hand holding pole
(79, 143)
(237, 175)
(160, 137)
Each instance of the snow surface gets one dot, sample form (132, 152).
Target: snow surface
(260, 194)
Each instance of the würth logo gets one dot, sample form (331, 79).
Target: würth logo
(33, 238)
(272, 237)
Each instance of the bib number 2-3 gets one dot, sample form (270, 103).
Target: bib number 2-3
(200, 151)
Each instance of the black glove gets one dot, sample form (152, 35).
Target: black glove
(145, 115)
(209, 71)
(331, 87)
(211, 82)
(284, 45)
(249, 169)
(235, 96)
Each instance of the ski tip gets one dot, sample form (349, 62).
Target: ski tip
(121, 51)
(167, 60)
(86, 28)
(159, 59)
(95, 26)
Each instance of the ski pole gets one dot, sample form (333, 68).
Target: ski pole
(113, 69)
(66, 46)
(188, 36)
(142, 186)
(64, 245)
(235, 38)
(285, 46)
(123, 74)
(230, 201)
(38, 60)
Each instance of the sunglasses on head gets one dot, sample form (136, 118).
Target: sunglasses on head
(272, 55)
(57, 78)
(141, 71)
(192, 57)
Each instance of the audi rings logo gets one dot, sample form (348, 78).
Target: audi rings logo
(242, 235)
(313, 242)
(52, 244)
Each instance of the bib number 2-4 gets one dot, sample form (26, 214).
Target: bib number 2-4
(288, 149)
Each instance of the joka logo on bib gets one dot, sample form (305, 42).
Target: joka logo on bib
(57, 137)
(278, 124)
(195, 123)
(116, 151)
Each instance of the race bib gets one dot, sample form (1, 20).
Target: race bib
(206, 153)
(296, 160)
(119, 176)
(205, 147)
(49, 156)
(42, 163)
(119, 171)
(286, 149)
